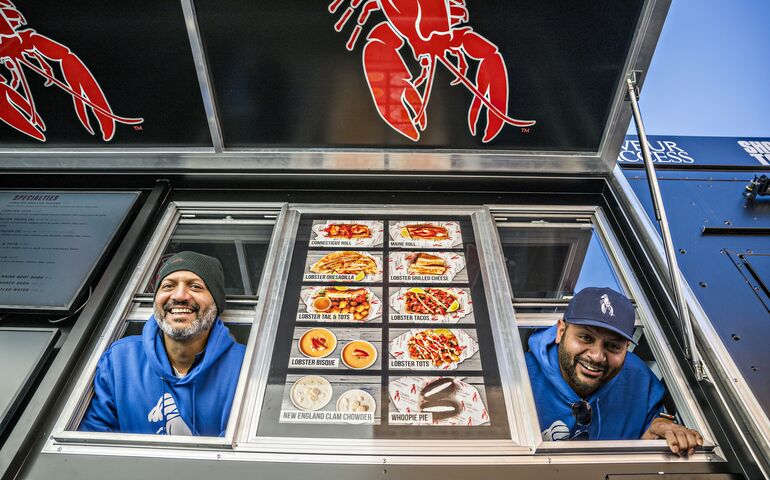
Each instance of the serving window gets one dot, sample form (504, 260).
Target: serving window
(550, 257)
(380, 332)
(240, 238)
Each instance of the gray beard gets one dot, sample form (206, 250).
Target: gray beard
(203, 321)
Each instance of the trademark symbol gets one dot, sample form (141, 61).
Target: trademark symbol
(137, 128)
(523, 129)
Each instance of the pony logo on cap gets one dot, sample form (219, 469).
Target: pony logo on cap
(606, 306)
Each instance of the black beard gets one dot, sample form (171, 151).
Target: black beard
(568, 366)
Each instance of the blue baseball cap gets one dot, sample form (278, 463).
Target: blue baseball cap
(604, 308)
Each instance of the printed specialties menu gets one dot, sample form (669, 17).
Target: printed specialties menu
(383, 333)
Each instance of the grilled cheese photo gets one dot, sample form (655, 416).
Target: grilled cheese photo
(427, 264)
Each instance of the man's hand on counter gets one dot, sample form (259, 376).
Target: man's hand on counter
(681, 440)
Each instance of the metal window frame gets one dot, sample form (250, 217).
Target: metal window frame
(674, 377)
(64, 431)
(506, 342)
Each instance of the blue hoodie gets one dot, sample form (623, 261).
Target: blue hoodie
(136, 391)
(623, 408)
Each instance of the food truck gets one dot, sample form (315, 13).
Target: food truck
(400, 193)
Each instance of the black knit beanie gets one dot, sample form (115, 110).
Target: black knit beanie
(208, 268)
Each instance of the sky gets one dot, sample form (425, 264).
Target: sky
(710, 74)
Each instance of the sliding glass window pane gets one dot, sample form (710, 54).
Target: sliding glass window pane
(256, 256)
(554, 262)
(241, 247)
(597, 270)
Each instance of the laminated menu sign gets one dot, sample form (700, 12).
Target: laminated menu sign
(343, 266)
(390, 334)
(340, 304)
(315, 399)
(427, 267)
(434, 349)
(431, 304)
(437, 401)
(425, 234)
(347, 233)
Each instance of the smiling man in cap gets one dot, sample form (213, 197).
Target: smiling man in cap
(588, 386)
(179, 376)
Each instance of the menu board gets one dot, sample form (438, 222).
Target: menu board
(50, 242)
(384, 333)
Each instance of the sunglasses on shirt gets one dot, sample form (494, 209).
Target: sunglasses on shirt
(583, 414)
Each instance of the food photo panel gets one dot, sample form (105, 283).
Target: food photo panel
(340, 304)
(425, 234)
(331, 400)
(343, 266)
(427, 267)
(437, 401)
(347, 233)
(336, 348)
(431, 305)
(434, 349)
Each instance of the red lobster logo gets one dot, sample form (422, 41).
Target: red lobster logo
(432, 29)
(28, 48)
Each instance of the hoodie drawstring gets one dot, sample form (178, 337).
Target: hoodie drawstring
(163, 404)
(598, 419)
(194, 429)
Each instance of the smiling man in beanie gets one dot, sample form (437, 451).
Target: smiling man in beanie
(179, 376)
(588, 386)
